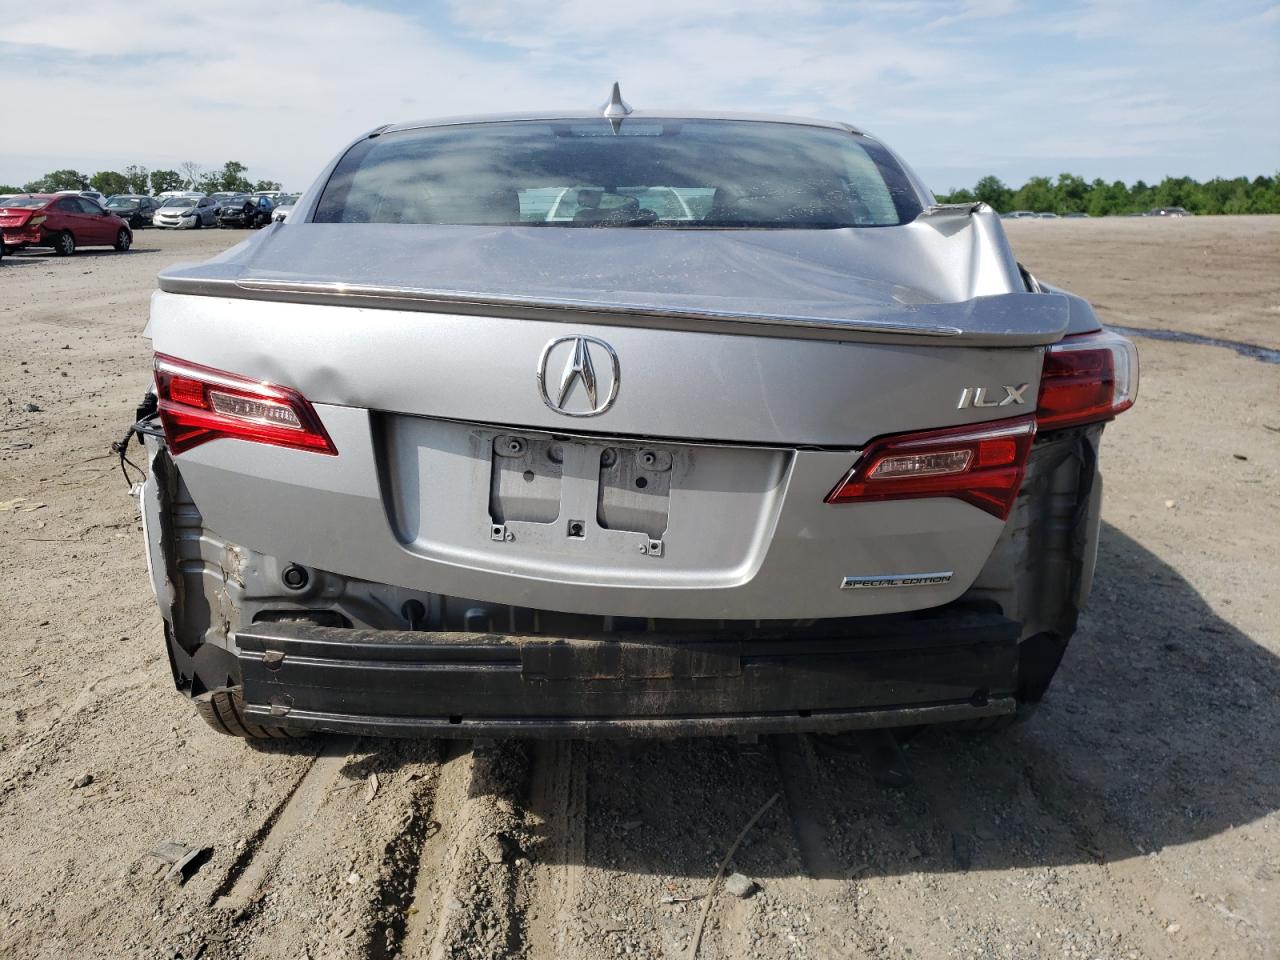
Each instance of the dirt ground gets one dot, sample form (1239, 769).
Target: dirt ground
(1134, 817)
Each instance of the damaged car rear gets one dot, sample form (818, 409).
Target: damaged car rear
(621, 423)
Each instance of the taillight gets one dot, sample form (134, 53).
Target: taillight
(36, 221)
(1086, 379)
(982, 465)
(198, 404)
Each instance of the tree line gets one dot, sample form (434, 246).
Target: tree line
(1073, 194)
(138, 179)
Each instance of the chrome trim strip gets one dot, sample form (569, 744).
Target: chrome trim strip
(897, 580)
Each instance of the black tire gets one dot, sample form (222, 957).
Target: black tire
(124, 240)
(64, 244)
(223, 710)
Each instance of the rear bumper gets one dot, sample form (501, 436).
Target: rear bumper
(877, 672)
(26, 238)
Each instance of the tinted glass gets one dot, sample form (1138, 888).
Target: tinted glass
(667, 173)
(25, 203)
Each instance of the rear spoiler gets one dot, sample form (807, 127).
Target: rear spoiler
(1003, 320)
(935, 210)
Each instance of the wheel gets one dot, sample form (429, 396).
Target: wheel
(223, 709)
(64, 244)
(124, 240)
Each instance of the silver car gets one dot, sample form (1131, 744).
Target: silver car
(621, 423)
(187, 212)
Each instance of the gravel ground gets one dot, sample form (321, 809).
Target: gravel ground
(1135, 817)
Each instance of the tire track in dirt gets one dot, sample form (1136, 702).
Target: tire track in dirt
(400, 872)
(558, 797)
(809, 816)
(468, 887)
(253, 866)
(430, 881)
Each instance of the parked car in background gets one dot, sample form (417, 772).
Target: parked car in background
(229, 205)
(1168, 212)
(1048, 215)
(93, 195)
(135, 208)
(245, 211)
(568, 481)
(284, 206)
(187, 212)
(64, 222)
(1075, 215)
(1018, 215)
(170, 194)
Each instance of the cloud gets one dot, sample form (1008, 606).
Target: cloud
(1121, 88)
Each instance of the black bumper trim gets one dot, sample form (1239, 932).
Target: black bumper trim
(606, 728)
(877, 672)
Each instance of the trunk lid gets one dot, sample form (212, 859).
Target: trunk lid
(14, 216)
(945, 278)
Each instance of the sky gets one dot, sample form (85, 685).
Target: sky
(1118, 89)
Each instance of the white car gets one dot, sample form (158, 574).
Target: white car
(284, 207)
(93, 195)
(188, 212)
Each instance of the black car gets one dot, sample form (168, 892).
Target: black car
(135, 209)
(245, 211)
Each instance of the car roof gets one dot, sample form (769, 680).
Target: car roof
(579, 115)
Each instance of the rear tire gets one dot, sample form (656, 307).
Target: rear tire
(223, 710)
(64, 244)
(124, 240)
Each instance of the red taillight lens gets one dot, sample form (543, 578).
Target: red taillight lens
(1086, 379)
(982, 465)
(198, 404)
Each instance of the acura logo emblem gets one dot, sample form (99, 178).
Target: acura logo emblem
(578, 376)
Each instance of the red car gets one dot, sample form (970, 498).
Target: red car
(62, 221)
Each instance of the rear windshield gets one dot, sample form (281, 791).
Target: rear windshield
(180, 202)
(650, 173)
(26, 203)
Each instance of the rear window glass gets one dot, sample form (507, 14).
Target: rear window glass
(650, 173)
(26, 203)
